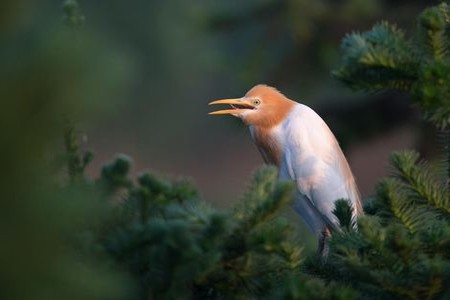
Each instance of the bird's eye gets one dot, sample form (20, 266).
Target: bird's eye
(256, 102)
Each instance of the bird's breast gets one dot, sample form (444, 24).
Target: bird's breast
(268, 142)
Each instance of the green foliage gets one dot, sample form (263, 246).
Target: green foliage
(420, 182)
(400, 250)
(384, 58)
(176, 246)
(344, 214)
(172, 245)
(73, 237)
(41, 214)
(380, 58)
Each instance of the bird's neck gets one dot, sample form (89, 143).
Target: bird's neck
(265, 129)
(268, 143)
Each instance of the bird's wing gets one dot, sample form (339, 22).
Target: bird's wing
(313, 159)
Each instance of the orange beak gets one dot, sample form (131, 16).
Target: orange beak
(238, 105)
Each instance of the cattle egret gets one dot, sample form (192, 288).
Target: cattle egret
(293, 137)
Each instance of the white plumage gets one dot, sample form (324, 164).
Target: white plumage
(312, 158)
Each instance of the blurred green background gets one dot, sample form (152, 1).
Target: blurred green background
(186, 53)
(136, 78)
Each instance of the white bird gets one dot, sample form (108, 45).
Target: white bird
(293, 137)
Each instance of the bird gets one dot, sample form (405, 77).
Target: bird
(295, 139)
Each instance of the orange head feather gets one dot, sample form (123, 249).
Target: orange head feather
(262, 106)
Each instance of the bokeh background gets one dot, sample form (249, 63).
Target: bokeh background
(186, 53)
(136, 76)
(149, 68)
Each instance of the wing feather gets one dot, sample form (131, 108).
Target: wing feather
(313, 159)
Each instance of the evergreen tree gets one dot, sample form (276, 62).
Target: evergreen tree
(384, 58)
(174, 245)
(400, 250)
(153, 238)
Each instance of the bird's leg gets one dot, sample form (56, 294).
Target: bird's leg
(323, 245)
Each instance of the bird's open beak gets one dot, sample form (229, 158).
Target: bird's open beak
(238, 105)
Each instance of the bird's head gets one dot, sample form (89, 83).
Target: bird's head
(262, 106)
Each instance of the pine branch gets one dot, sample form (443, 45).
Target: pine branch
(276, 237)
(378, 59)
(383, 58)
(344, 213)
(263, 199)
(413, 216)
(433, 30)
(432, 92)
(115, 174)
(419, 180)
(76, 160)
(400, 250)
